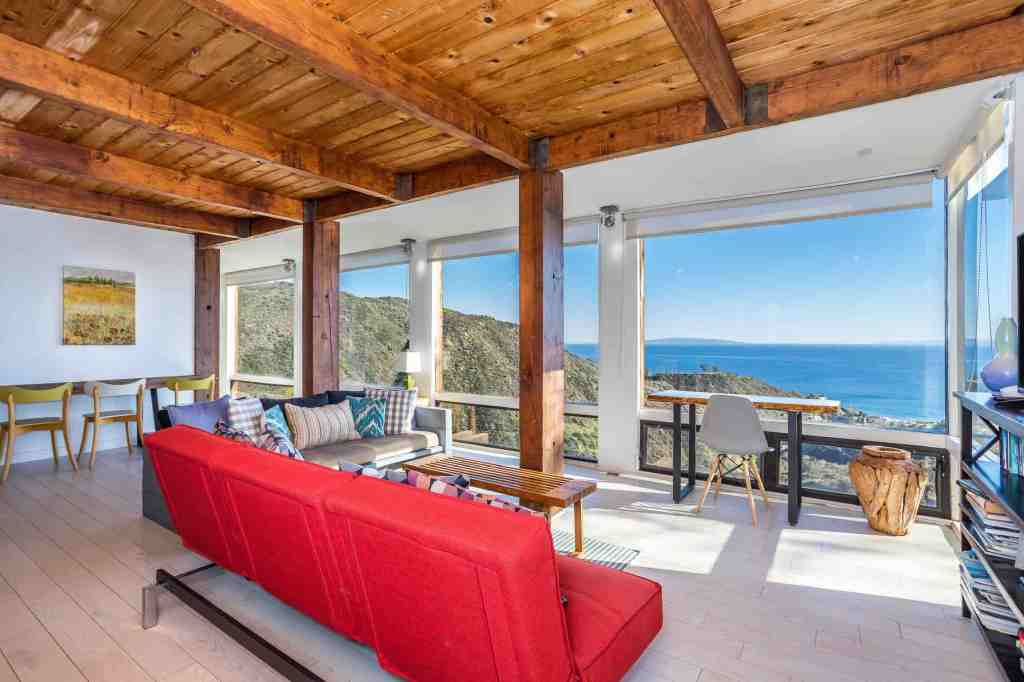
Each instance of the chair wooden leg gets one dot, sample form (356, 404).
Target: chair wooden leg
(6, 454)
(138, 427)
(760, 483)
(750, 491)
(53, 450)
(578, 527)
(67, 445)
(707, 486)
(720, 471)
(128, 438)
(85, 436)
(95, 441)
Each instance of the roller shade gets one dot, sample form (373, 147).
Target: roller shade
(506, 240)
(987, 138)
(258, 275)
(889, 194)
(374, 258)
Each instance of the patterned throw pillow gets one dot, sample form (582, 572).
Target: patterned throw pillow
(399, 409)
(269, 440)
(450, 486)
(315, 426)
(246, 415)
(369, 416)
(275, 419)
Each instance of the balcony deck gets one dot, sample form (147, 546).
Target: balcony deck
(828, 599)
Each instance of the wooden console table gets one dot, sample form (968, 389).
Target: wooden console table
(535, 487)
(794, 409)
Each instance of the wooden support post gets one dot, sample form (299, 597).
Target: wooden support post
(207, 313)
(321, 252)
(541, 331)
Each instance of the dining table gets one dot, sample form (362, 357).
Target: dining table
(795, 408)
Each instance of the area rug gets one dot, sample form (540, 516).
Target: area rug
(596, 551)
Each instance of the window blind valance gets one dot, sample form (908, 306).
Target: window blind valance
(506, 240)
(258, 275)
(374, 258)
(888, 194)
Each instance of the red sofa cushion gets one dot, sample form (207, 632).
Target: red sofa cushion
(454, 590)
(194, 493)
(613, 616)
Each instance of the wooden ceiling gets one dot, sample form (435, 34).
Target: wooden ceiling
(277, 118)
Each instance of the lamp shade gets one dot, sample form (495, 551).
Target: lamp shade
(408, 362)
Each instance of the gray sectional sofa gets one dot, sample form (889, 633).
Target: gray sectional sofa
(432, 433)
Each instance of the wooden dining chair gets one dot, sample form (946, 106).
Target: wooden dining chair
(13, 427)
(180, 384)
(732, 429)
(99, 391)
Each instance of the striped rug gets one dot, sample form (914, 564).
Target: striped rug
(596, 551)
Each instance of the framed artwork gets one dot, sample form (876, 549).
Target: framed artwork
(99, 307)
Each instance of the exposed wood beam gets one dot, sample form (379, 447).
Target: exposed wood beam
(312, 35)
(994, 49)
(48, 74)
(321, 259)
(57, 199)
(43, 152)
(541, 322)
(207, 315)
(693, 24)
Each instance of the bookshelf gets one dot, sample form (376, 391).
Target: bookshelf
(983, 472)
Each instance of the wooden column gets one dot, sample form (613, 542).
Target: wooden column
(207, 312)
(541, 327)
(321, 251)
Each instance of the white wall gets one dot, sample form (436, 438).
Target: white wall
(34, 248)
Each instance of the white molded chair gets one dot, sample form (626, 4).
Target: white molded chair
(99, 391)
(732, 429)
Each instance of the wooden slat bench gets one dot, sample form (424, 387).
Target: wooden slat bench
(533, 487)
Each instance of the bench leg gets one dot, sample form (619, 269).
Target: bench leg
(578, 511)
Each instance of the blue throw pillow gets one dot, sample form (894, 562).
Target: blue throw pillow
(369, 416)
(204, 415)
(275, 417)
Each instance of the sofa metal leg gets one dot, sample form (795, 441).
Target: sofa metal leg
(284, 664)
(150, 605)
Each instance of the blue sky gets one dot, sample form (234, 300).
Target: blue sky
(876, 278)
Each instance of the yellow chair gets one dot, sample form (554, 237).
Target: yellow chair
(180, 384)
(98, 417)
(10, 429)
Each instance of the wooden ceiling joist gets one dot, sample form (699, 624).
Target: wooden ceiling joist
(312, 35)
(50, 75)
(693, 24)
(58, 199)
(43, 152)
(993, 49)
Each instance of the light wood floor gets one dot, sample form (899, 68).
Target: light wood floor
(828, 600)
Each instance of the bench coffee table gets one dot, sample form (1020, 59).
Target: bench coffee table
(534, 487)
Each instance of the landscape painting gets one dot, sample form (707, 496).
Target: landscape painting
(99, 307)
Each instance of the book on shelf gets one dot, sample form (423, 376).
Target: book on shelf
(995, 540)
(984, 597)
(1011, 452)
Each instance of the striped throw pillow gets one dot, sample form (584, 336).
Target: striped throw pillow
(315, 426)
(246, 415)
(400, 405)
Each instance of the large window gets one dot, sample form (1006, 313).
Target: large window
(261, 336)
(581, 326)
(374, 309)
(849, 308)
(480, 354)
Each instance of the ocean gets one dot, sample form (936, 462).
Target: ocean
(899, 381)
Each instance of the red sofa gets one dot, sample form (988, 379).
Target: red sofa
(441, 588)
